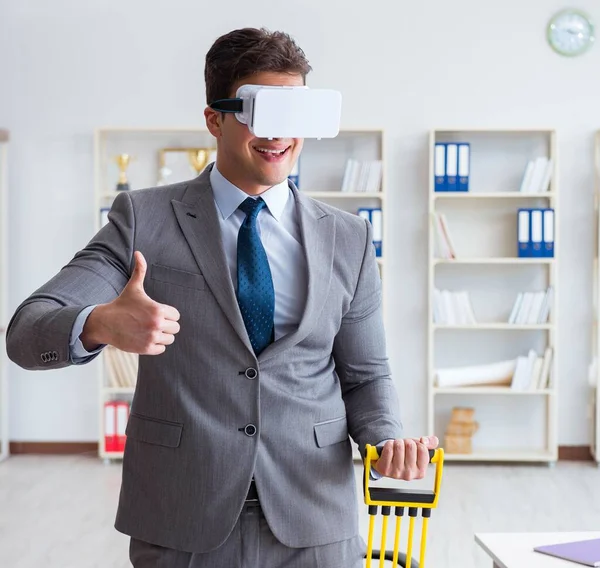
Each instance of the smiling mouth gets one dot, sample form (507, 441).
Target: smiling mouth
(271, 153)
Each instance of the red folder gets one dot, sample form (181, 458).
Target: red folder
(110, 426)
(122, 418)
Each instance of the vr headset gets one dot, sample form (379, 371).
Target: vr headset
(285, 111)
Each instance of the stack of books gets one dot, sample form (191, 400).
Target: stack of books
(532, 307)
(122, 367)
(533, 372)
(452, 308)
(362, 176)
(537, 176)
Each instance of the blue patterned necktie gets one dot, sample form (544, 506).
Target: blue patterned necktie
(256, 296)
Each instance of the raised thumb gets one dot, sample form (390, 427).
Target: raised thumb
(139, 272)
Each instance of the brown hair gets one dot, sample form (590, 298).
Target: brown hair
(244, 52)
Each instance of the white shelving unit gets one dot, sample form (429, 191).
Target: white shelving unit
(514, 425)
(594, 377)
(4, 439)
(321, 168)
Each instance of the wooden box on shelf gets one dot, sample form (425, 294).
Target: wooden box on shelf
(460, 431)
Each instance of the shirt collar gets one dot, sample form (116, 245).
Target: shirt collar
(229, 197)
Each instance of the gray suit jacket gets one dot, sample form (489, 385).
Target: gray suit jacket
(189, 459)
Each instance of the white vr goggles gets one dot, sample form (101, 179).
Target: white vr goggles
(285, 111)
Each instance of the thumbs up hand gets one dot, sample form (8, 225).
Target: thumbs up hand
(133, 321)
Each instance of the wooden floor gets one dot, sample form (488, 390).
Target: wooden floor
(58, 512)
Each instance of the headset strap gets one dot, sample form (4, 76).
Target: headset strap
(227, 105)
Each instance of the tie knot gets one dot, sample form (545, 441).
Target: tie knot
(251, 207)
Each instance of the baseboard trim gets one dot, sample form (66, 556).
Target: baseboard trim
(53, 448)
(565, 453)
(575, 453)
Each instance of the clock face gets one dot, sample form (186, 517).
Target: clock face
(570, 33)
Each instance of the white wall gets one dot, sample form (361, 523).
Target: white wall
(68, 67)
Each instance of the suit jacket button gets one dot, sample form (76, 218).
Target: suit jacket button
(251, 373)
(250, 430)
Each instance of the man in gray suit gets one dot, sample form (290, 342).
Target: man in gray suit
(256, 312)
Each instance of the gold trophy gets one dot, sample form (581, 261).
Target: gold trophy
(123, 161)
(199, 158)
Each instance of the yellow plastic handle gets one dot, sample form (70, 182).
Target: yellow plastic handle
(434, 455)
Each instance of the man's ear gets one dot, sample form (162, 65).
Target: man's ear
(213, 121)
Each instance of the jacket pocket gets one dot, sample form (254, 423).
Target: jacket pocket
(175, 276)
(331, 432)
(154, 431)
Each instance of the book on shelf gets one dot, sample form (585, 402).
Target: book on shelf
(452, 164)
(121, 368)
(535, 232)
(526, 372)
(532, 372)
(374, 215)
(444, 245)
(537, 176)
(452, 308)
(532, 308)
(362, 176)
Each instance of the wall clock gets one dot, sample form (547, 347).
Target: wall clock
(570, 32)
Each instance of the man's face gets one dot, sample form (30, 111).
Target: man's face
(253, 164)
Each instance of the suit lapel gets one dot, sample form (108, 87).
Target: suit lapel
(318, 235)
(197, 217)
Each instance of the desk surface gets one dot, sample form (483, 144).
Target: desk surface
(515, 550)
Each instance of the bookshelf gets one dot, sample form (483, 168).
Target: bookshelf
(594, 375)
(322, 169)
(516, 423)
(4, 440)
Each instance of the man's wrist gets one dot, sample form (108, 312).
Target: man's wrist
(94, 331)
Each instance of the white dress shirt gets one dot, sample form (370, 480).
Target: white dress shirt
(279, 230)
